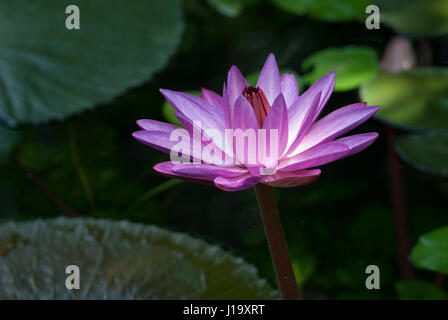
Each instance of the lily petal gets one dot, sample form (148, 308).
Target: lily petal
(335, 124)
(269, 79)
(235, 85)
(316, 156)
(277, 119)
(212, 97)
(237, 183)
(289, 88)
(291, 179)
(358, 142)
(206, 171)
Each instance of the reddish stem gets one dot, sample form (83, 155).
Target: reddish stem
(403, 239)
(277, 243)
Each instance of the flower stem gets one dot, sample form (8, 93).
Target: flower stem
(277, 243)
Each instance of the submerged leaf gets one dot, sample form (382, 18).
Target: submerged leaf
(119, 260)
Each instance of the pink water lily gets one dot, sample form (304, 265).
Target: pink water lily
(303, 143)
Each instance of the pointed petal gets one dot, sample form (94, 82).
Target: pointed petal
(238, 183)
(358, 142)
(289, 88)
(166, 168)
(300, 119)
(316, 156)
(292, 178)
(235, 85)
(269, 79)
(207, 171)
(244, 115)
(325, 85)
(277, 119)
(212, 98)
(336, 124)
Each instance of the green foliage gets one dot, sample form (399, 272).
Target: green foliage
(50, 72)
(353, 66)
(431, 251)
(326, 10)
(415, 17)
(8, 139)
(228, 8)
(419, 290)
(426, 152)
(119, 260)
(415, 99)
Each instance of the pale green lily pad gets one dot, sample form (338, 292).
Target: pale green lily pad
(119, 260)
(419, 290)
(414, 99)
(416, 17)
(431, 251)
(426, 152)
(353, 66)
(49, 72)
(326, 10)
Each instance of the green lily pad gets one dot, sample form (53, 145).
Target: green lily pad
(431, 251)
(252, 78)
(326, 10)
(412, 100)
(426, 152)
(353, 66)
(419, 290)
(49, 72)
(119, 260)
(416, 17)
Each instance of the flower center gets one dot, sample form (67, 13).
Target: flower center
(259, 103)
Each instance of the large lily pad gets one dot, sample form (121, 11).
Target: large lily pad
(50, 72)
(431, 251)
(119, 260)
(414, 99)
(353, 66)
(426, 152)
(416, 17)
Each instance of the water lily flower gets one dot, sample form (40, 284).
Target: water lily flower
(303, 142)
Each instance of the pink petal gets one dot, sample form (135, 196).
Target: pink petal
(358, 142)
(269, 79)
(277, 119)
(316, 156)
(237, 183)
(292, 178)
(166, 167)
(212, 98)
(235, 85)
(300, 119)
(325, 85)
(335, 124)
(289, 88)
(244, 115)
(206, 171)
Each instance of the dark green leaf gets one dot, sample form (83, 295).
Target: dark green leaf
(327, 10)
(419, 290)
(426, 152)
(50, 72)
